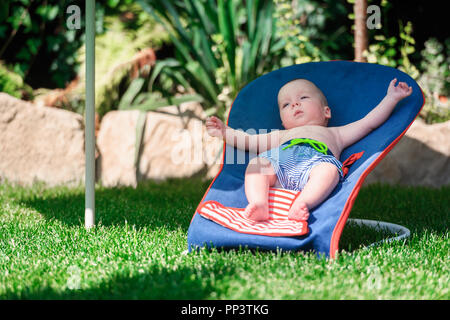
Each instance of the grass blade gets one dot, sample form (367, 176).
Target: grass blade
(169, 101)
(158, 68)
(132, 91)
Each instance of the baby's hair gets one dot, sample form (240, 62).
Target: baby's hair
(322, 97)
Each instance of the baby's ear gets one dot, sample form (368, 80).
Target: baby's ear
(327, 112)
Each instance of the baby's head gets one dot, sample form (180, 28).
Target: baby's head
(301, 103)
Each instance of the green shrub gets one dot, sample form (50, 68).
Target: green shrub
(432, 74)
(313, 30)
(32, 27)
(220, 46)
(115, 50)
(12, 83)
(223, 45)
(435, 81)
(127, 31)
(39, 28)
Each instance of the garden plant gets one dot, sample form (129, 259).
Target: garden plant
(155, 53)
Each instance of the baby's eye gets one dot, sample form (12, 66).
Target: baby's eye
(304, 97)
(286, 104)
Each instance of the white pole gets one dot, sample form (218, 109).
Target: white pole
(89, 136)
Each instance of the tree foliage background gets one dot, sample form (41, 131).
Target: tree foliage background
(37, 50)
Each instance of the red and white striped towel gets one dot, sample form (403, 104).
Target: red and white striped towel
(278, 224)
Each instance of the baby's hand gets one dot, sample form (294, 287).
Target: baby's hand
(399, 92)
(215, 127)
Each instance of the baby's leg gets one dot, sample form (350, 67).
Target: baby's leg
(259, 176)
(323, 178)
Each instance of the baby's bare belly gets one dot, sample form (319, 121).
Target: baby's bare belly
(318, 133)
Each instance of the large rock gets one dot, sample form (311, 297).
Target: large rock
(175, 144)
(40, 144)
(116, 144)
(421, 157)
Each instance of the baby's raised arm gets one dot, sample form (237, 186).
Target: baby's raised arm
(351, 133)
(255, 143)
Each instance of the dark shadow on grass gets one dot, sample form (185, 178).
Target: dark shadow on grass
(356, 237)
(157, 283)
(169, 203)
(420, 209)
(417, 208)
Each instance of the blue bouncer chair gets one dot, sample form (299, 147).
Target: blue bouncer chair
(352, 90)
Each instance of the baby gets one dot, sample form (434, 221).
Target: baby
(305, 155)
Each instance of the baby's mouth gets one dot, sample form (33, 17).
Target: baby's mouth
(296, 113)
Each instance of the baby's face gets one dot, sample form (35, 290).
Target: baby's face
(300, 104)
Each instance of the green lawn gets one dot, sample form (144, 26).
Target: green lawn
(135, 252)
